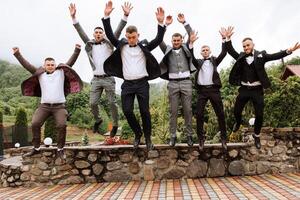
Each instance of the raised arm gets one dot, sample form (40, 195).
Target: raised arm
(223, 53)
(162, 45)
(74, 56)
(160, 16)
(107, 26)
(187, 26)
(281, 54)
(127, 7)
(23, 61)
(193, 36)
(228, 44)
(79, 29)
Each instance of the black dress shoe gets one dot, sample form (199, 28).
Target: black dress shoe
(31, 153)
(190, 141)
(201, 145)
(61, 154)
(96, 126)
(257, 141)
(149, 144)
(113, 131)
(236, 127)
(137, 141)
(224, 145)
(172, 141)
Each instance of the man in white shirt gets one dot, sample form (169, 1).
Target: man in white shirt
(249, 73)
(52, 83)
(98, 50)
(208, 84)
(132, 61)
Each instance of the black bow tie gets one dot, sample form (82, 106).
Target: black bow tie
(97, 43)
(250, 54)
(206, 59)
(133, 45)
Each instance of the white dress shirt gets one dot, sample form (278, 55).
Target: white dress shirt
(134, 62)
(52, 87)
(206, 72)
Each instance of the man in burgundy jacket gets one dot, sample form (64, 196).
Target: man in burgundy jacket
(52, 83)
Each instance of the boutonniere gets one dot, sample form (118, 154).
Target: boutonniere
(259, 55)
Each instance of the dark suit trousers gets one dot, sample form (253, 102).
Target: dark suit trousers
(140, 89)
(256, 96)
(214, 96)
(39, 117)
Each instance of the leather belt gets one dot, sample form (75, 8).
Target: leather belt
(179, 79)
(101, 76)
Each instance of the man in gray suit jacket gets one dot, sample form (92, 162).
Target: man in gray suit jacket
(177, 66)
(98, 50)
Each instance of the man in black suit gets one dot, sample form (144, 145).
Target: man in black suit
(249, 73)
(132, 61)
(208, 84)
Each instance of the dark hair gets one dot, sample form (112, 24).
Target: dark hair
(98, 27)
(177, 35)
(131, 29)
(49, 59)
(247, 38)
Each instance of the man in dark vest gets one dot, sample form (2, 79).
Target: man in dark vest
(98, 50)
(208, 84)
(177, 67)
(132, 61)
(249, 73)
(52, 83)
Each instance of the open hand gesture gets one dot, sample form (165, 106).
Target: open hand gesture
(108, 8)
(160, 15)
(72, 9)
(181, 18)
(193, 37)
(169, 20)
(223, 32)
(229, 32)
(294, 48)
(127, 8)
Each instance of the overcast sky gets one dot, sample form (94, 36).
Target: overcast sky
(42, 28)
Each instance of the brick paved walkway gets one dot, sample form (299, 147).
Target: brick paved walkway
(283, 186)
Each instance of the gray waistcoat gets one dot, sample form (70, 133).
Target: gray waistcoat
(178, 62)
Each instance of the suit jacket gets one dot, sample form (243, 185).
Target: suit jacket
(31, 86)
(89, 43)
(166, 49)
(260, 58)
(215, 62)
(113, 66)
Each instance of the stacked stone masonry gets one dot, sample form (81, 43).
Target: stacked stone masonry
(280, 153)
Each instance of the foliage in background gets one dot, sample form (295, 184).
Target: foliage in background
(50, 129)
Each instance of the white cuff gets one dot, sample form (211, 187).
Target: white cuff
(161, 24)
(75, 21)
(106, 17)
(185, 23)
(125, 18)
(227, 40)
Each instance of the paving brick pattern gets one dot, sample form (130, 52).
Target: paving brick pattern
(277, 186)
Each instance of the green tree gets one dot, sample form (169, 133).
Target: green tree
(1, 134)
(20, 133)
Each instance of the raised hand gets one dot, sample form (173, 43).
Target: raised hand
(193, 37)
(160, 15)
(181, 18)
(223, 32)
(77, 46)
(15, 49)
(72, 9)
(127, 8)
(294, 48)
(229, 32)
(169, 20)
(108, 8)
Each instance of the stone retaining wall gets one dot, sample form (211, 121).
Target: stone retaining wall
(280, 153)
